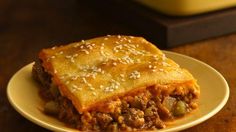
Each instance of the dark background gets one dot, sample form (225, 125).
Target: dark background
(26, 26)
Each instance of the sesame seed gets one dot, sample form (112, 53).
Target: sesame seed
(86, 52)
(74, 86)
(82, 41)
(72, 60)
(91, 88)
(90, 47)
(75, 55)
(52, 57)
(114, 63)
(94, 93)
(67, 82)
(119, 36)
(74, 78)
(149, 66)
(165, 64)
(122, 75)
(84, 80)
(55, 71)
(61, 52)
(68, 57)
(105, 38)
(102, 44)
(108, 35)
(53, 48)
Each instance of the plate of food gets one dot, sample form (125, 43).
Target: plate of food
(116, 83)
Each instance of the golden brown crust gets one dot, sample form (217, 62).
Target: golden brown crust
(96, 70)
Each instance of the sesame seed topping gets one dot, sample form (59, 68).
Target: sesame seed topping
(122, 75)
(91, 88)
(114, 63)
(53, 48)
(94, 93)
(68, 57)
(135, 75)
(82, 41)
(72, 60)
(74, 86)
(165, 64)
(102, 48)
(52, 57)
(119, 36)
(105, 38)
(61, 52)
(149, 66)
(75, 55)
(86, 52)
(74, 78)
(84, 80)
(113, 86)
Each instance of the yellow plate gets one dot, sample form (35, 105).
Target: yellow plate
(187, 7)
(23, 95)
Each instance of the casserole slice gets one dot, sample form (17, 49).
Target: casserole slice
(114, 83)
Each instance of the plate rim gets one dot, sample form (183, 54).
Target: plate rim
(47, 125)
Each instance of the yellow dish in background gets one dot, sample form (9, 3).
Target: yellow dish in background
(187, 7)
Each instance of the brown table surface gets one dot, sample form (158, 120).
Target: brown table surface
(26, 27)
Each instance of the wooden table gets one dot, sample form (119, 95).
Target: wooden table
(26, 27)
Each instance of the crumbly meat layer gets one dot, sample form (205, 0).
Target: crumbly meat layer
(144, 111)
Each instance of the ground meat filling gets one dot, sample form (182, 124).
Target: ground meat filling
(144, 111)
